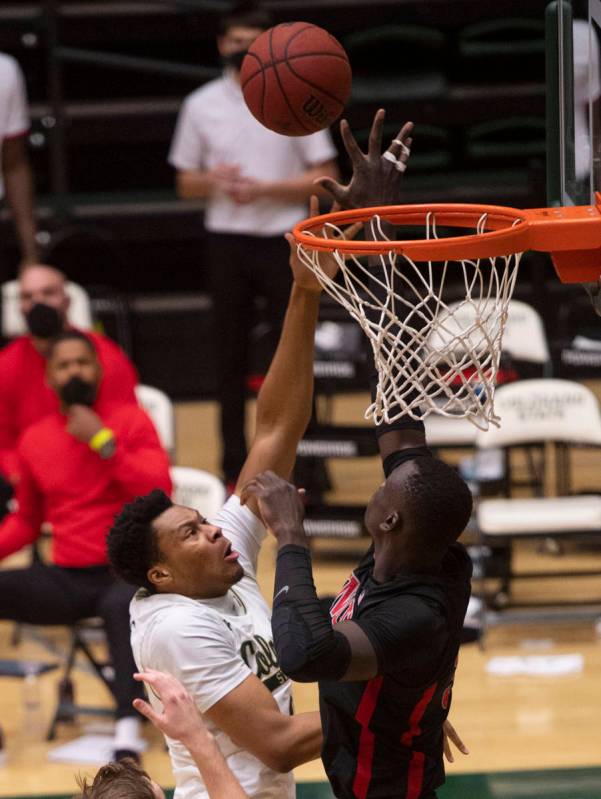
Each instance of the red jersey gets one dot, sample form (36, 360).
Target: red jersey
(64, 482)
(25, 397)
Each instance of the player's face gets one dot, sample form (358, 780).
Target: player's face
(236, 39)
(375, 510)
(387, 500)
(196, 559)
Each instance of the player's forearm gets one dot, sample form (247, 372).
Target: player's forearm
(194, 185)
(285, 398)
(217, 777)
(308, 647)
(302, 740)
(18, 183)
(301, 188)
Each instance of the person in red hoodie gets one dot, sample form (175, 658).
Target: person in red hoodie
(77, 467)
(25, 396)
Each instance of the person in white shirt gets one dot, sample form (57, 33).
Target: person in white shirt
(256, 184)
(200, 615)
(16, 181)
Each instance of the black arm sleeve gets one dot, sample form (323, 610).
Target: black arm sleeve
(309, 648)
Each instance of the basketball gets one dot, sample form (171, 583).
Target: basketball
(296, 78)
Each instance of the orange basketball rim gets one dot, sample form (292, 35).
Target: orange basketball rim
(571, 234)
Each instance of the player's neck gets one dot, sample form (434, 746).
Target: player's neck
(392, 560)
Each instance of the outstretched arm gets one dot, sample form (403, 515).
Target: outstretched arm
(284, 402)
(180, 720)
(376, 181)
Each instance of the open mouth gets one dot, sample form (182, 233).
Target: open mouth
(230, 554)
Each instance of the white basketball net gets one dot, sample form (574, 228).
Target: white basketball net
(432, 355)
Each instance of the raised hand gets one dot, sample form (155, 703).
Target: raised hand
(179, 719)
(377, 176)
(83, 423)
(280, 505)
(303, 276)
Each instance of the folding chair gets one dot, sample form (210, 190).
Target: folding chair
(13, 324)
(524, 344)
(197, 489)
(555, 417)
(67, 708)
(160, 409)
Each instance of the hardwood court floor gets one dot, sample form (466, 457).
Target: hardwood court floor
(511, 724)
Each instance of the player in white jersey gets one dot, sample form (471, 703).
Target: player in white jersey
(200, 615)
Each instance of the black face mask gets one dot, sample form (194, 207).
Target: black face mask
(234, 60)
(44, 321)
(78, 392)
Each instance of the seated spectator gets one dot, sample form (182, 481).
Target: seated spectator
(25, 396)
(77, 467)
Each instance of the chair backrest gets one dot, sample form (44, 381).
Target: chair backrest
(13, 324)
(197, 489)
(160, 409)
(523, 338)
(544, 410)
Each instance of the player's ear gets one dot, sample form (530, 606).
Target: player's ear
(159, 575)
(390, 522)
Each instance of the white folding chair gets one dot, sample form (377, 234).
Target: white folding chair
(197, 489)
(524, 340)
(13, 324)
(160, 409)
(542, 412)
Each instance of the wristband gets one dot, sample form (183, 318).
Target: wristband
(100, 438)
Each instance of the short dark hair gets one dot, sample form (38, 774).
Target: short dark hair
(439, 503)
(71, 335)
(246, 15)
(132, 543)
(122, 780)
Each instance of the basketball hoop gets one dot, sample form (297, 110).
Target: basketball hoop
(434, 354)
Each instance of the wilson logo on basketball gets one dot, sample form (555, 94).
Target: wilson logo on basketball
(344, 604)
(315, 109)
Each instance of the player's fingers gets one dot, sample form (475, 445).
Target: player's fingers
(400, 146)
(374, 147)
(350, 143)
(145, 709)
(351, 231)
(453, 735)
(405, 132)
(335, 189)
(447, 749)
(291, 242)
(314, 205)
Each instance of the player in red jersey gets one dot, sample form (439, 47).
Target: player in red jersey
(385, 656)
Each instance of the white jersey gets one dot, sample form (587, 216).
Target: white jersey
(211, 646)
(14, 118)
(215, 127)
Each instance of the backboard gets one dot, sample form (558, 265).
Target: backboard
(573, 33)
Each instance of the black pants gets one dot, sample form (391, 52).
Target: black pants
(242, 268)
(45, 594)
